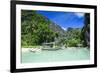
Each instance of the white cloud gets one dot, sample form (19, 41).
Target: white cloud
(63, 28)
(79, 14)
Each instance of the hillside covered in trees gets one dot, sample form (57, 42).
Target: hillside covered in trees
(36, 29)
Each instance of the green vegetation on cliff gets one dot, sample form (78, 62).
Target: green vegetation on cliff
(35, 29)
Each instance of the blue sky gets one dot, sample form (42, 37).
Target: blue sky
(65, 19)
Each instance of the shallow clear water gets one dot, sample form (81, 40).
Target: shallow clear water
(58, 55)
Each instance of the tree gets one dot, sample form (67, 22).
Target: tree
(35, 29)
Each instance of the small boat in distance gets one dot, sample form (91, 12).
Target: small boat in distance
(50, 46)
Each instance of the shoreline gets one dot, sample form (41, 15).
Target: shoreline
(36, 49)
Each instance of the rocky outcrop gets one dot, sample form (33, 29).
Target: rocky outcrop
(86, 31)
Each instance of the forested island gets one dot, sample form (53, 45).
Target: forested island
(37, 29)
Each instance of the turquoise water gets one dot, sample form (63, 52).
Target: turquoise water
(58, 55)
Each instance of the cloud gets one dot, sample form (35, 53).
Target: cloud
(79, 14)
(63, 28)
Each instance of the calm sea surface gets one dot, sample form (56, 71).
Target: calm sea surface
(68, 54)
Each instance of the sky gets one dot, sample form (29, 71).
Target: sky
(65, 19)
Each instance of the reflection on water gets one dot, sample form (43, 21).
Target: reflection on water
(67, 54)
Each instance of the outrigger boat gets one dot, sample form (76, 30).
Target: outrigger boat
(50, 46)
